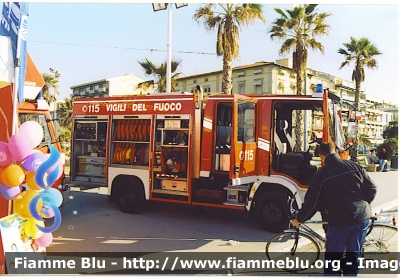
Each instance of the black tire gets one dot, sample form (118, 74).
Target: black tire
(279, 248)
(130, 199)
(273, 211)
(382, 239)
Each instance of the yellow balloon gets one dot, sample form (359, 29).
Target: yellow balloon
(30, 228)
(22, 201)
(30, 181)
(13, 175)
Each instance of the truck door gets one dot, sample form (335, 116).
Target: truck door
(243, 150)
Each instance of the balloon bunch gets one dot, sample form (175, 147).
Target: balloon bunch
(21, 165)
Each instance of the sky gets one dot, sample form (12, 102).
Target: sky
(85, 42)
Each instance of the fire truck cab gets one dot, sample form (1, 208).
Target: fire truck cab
(230, 151)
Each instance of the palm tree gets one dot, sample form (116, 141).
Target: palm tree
(50, 82)
(298, 28)
(363, 53)
(65, 112)
(160, 75)
(228, 23)
(65, 117)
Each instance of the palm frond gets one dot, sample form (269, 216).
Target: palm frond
(228, 23)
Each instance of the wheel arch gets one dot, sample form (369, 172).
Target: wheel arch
(266, 187)
(123, 180)
(279, 184)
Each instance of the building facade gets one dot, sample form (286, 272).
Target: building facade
(279, 78)
(263, 78)
(115, 86)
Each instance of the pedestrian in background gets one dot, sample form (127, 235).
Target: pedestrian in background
(374, 158)
(343, 191)
(383, 157)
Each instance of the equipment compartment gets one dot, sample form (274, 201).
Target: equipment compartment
(170, 155)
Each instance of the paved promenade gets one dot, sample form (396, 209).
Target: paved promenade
(388, 190)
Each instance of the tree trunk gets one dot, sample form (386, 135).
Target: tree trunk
(354, 149)
(227, 78)
(298, 130)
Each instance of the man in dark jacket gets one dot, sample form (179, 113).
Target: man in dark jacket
(343, 191)
(383, 157)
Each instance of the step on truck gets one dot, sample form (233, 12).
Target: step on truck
(227, 151)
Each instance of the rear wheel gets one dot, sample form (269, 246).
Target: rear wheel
(130, 199)
(382, 239)
(273, 211)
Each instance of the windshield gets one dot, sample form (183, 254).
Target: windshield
(41, 119)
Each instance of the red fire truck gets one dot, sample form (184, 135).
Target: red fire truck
(230, 151)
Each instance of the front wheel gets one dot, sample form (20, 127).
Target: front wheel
(280, 248)
(130, 199)
(273, 211)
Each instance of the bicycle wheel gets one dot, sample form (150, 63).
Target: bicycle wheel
(279, 248)
(382, 239)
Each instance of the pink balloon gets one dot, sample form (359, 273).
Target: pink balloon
(45, 240)
(33, 130)
(10, 193)
(34, 161)
(20, 146)
(5, 155)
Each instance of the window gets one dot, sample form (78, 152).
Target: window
(223, 136)
(195, 81)
(281, 88)
(206, 79)
(207, 89)
(246, 117)
(257, 71)
(91, 88)
(257, 86)
(240, 74)
(241, 87)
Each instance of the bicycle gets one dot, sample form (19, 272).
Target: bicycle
(304, 243)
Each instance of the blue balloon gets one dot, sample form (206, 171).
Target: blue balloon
(57, 220)
(53, 196)
(45, 166)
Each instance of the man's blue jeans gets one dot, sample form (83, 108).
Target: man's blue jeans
(383, 164)
(349, 239)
